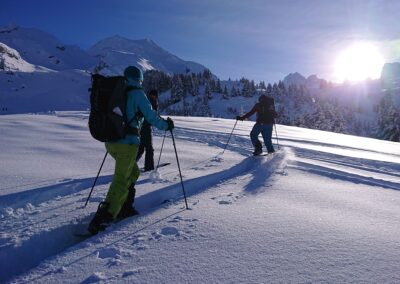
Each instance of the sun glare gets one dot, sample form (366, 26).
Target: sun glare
(359, 62)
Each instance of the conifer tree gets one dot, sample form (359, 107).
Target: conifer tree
(177, 89)
(225, 93)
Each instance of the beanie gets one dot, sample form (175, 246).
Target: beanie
(134, 73)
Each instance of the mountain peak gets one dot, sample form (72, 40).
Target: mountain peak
(294, 79)
(10, 60)
(117, 52)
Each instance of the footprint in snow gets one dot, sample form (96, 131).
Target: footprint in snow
(94, 278)
(179, 218)
(226, 199)
(109, 253)
(176, 219)
(169, 231)
(139, 238)
(131, 272)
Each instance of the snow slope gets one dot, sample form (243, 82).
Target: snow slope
(22, 92)
(41, 48)
(324, 208)
(11, 61)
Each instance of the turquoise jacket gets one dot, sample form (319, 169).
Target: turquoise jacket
(136, 101)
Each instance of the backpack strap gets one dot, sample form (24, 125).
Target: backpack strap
(129, 129)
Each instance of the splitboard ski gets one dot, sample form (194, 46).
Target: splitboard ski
(85, 234)
(261, 154)
(159, 166)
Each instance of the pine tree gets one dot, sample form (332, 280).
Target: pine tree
(225, 93)
(208, 92)
(218, 87)
(246, 91)
(388, 119)
(234, 92)
(177, 89)
(253, 89)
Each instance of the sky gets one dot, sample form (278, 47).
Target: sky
(260, 40)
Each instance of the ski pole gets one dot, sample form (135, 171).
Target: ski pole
(229, 137)
(276, 134)
(162, 145)
(87, 200)
(179, 168)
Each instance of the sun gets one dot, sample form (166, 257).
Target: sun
(358, 62)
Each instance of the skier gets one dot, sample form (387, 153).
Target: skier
(146, 140)
(266, 114)
(121, 194)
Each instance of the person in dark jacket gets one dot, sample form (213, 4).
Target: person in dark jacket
(266, 114)
(146, 139)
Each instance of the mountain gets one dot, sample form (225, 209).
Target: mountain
(40, 73)
(114, 53)
(312, 82)
(10, 60)
(294, 79)
(41, 48)
(390, 75)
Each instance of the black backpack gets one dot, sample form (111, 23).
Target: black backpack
(266, 110)
(107, 119)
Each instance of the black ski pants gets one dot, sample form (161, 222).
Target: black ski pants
(146, 144)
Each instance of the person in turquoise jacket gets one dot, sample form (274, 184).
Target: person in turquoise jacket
(121, 194)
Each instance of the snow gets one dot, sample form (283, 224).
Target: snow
(116, 51)
(43, 49)
(323, 208)
(10, 60)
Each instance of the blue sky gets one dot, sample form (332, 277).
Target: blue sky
(260, 40)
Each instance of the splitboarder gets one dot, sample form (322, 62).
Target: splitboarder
(146, 139)
(266, 114)
(121, 194)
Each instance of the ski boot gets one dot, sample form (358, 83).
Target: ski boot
(101, 219)
(127, 209)
(257, 149)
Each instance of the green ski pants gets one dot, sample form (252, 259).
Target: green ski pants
(126, 173)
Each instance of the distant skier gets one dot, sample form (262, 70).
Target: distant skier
(146, 139)
(266, 114)
(121, 194)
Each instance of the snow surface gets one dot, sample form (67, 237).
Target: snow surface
(323, 209)
(43, 49)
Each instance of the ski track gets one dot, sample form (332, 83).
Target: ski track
(16, 248)
(31, 242)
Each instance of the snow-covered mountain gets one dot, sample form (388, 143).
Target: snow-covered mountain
(22, 92)
(311, 82)
(59, 73)
(294, 79)
(390, 75)
(114, 53)
(110, 55)
(41, 48)
(322, 209)
(10, 60)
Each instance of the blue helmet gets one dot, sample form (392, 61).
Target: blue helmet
(133, 73)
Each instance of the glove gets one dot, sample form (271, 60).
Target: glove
(239, 118)
(170, 123)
